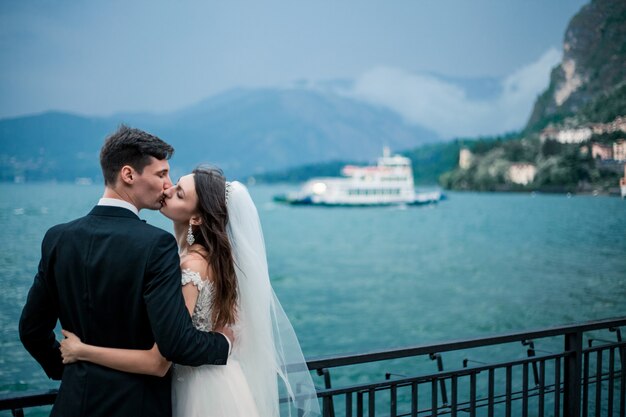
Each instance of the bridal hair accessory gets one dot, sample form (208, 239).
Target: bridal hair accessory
(190, 238)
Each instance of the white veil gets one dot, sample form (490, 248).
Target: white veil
(266, 345)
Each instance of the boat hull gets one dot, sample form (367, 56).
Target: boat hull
(310, 201)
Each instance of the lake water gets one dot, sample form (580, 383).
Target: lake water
(355, 280)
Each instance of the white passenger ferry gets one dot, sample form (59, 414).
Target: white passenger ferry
(390, 182)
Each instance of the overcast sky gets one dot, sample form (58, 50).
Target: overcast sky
(99, 58)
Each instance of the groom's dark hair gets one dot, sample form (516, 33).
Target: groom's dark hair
(134, 147)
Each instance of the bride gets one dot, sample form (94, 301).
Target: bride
(225, 283)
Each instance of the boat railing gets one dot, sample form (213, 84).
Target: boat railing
(573, 370)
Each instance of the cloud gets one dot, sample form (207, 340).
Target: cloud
(445, 107)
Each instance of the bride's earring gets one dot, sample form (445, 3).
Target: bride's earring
(190, 238)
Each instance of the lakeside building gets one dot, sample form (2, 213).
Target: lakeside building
(465, 158)
(601, 151)
(583, 133)
(522, 174)
(567, 135)
(617, 125)
(619, 150)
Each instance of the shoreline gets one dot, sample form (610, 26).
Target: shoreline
(613, 192)
(562, 190)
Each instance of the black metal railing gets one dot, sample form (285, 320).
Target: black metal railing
(569, 381)
(563, 378)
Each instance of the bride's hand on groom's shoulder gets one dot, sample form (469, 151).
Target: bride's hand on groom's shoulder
(70, 347)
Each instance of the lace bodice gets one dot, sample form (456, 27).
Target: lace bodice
(201, 316)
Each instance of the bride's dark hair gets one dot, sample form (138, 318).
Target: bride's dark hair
(211, 234)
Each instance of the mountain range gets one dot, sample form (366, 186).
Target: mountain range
(244, 131)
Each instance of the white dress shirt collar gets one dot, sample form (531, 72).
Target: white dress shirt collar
(118, 203)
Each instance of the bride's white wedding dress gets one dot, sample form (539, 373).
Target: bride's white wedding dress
(266, 360)
(209, 390)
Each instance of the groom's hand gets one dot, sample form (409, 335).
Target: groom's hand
(229, 334)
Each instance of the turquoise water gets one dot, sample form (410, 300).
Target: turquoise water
(355, 280)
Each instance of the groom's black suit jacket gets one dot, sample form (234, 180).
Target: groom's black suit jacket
(114, 281)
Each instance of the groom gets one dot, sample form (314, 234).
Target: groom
(115, 281)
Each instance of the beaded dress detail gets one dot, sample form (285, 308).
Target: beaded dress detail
(201, 317)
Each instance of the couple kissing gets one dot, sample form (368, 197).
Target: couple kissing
(156, 324)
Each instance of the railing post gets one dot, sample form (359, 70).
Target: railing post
(442, 382)
(328, 402)
(572, 374)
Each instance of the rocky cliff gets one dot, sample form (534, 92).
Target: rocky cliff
(593, 65)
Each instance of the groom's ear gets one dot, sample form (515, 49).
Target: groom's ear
(127, 174)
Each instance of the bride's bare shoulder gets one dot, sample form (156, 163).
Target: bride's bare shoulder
(195, 260)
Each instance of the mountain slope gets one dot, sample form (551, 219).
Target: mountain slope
(51, 146)
(247, 132)
(594, 62)
(244, 131)
(587, 88)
